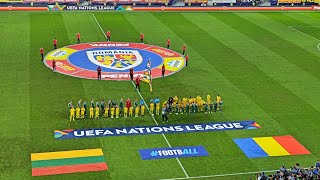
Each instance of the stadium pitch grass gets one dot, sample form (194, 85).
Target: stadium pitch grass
(263, 69)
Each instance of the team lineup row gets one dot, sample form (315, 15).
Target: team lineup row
(173, 105)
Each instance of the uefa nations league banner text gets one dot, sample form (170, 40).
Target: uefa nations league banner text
(143, 130)
(86, 8)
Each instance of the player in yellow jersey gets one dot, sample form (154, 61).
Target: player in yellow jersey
(106, 111)
(202, 103)
(175, 100)
(117, 112)
(91, 112)
(78, 112)
(142, 110)
(165, 103)
(151, 108)
(97, 112)
(112, 111)
(199, 103)
(158, 107)
(136, 111)
(219, 102)
(82, 112)
(218, 98)
(208, 99)
(181, 107)
(131, 111)
(198, 99)
(190, 100)
(72, 110)
(125, 112)
(184, 101)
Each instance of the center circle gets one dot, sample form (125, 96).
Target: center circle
(115, 60)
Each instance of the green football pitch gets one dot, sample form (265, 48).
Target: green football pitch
(264, 65)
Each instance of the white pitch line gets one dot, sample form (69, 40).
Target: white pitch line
(165, 138)
(292, 27)
(99, 26)
(303, 33)
(220, 175)
(304, 26)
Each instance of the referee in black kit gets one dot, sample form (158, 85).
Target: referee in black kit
(170, 102)
(164, 113)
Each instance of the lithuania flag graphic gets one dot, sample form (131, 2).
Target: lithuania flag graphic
(63, 162)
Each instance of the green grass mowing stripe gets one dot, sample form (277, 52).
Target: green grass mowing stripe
(121, 30)
(243, 74)
(199, 68)
(300, 25)
(315, 16)
(56, 89)
(272, 41)
(14, 108)
(193, 166)
(284, 72)
(308, 30)
(68, 161)
(51, 92)
(286, 32)
(305, 18)
(232, 62)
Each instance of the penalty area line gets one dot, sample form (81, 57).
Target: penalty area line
(220, 175)
(292, 27)
(165, 138)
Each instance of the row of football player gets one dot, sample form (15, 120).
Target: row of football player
(185, 105)
(194, 104)
(195, 108)
(116, 112)
(172, 102)
(104, 103)
(103, 108)
(113, 112)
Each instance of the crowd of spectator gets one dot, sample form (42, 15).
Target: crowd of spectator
(293, 173)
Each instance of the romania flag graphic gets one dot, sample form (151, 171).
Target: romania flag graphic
(270, 146)
(64, 162)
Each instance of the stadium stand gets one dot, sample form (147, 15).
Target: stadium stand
(294, 173)
(132, 2)
(161, 3)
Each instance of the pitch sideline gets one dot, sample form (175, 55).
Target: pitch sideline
(219, 175)
(165, 138)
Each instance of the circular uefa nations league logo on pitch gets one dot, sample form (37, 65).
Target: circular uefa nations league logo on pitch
(115, 60)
